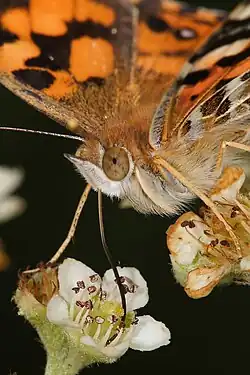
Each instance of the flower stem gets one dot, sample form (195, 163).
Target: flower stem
(62, 363)
(63, 354)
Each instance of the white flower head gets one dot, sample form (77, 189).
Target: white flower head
(79, 316)
(202, 253)
(10, 205)
(90, 308)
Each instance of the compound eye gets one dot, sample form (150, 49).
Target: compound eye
(115, 163)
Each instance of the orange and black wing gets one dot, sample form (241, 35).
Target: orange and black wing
(52, 52)
(215, 89)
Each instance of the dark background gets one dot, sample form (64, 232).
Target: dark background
(208, 335)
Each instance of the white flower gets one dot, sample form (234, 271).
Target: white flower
(202, 252)
(10, 205)
(89, 308)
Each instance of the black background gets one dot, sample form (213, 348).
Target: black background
(210, 335)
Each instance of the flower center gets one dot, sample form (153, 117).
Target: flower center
(98, 315)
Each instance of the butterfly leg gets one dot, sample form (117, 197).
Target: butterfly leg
(162, 163)
(224, 145)
(73, 226)
(71, 231)
(238, 146)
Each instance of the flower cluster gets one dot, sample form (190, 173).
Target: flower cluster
(202, 252)
(79, 317)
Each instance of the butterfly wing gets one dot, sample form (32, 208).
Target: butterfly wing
(49, 54)
(215, 90)
(52, 52)
(170, 34)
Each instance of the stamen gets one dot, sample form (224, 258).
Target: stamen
(105, 338)
(79, 315)
(116, 337)
(103, 295)
(72, 308)
(99, 320)
(112, 319)
(91, 289)
(89, 319)
(135, 321)
(94, 278)
(80, 284)
(80, 304)
(89, 304)
(214, 242)
(225, 243)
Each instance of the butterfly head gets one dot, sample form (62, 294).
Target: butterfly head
(106, 169)
(120, 172)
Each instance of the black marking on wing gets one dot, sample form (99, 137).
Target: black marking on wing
(38, 79)
(7, 37)
(224, 107)
(159, 25)
(222, 83)
(56, 50)
(245, 76)
(211, 104)
(7, 4)
(89, 28)
(230, 32)
(194, 77)
(194, 97)
(234, 59)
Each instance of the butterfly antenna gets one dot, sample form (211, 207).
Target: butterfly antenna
(110, 260)
(75, 137)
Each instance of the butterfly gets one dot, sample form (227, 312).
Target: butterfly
(153, 89)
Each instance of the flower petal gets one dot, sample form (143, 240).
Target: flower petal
(149, 334)
(229, 185)
(88, 340)
(72, 272)
(184, 241)
(11, 207)
(136, 299)
(116, 351)
(111, 351)
(201, 281)
(57, 312)
(10, 179)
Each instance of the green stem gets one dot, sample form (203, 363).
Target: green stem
(64, 354)
(61, 363)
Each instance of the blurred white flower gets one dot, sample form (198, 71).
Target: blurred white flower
(10, 205)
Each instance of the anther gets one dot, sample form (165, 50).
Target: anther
(99, 320)
(91, 289)
(94, 278)
(225, 243)
(80, 284)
